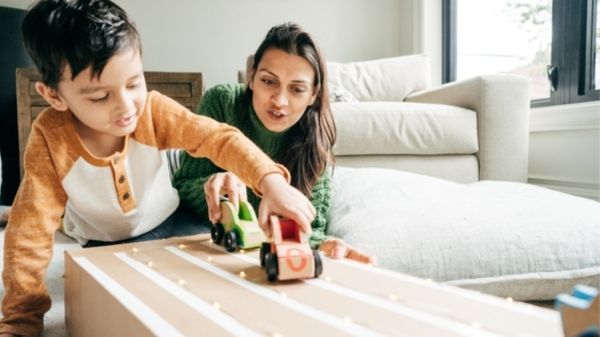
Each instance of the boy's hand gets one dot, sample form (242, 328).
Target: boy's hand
(338, 249)
(280, 198)
(224, 183)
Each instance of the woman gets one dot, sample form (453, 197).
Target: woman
(284, 109)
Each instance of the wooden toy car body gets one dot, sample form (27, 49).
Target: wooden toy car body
(580, 311)
(237, 229)
(288, 256)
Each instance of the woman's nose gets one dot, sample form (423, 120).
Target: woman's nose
(279, 98)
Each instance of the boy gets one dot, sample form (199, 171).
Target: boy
(96, 157)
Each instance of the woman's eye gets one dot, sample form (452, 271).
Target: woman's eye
(268, 81)
(133, 85)
(298, 90)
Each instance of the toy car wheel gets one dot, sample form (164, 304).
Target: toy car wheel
(264, 249)
(230, 241)
(318, 263)
(216, 233)
(271, 266)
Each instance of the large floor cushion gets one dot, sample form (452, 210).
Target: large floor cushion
(508, 239)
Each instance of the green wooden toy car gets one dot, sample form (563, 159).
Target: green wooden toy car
(237, 229)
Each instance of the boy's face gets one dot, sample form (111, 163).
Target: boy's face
(106, 106)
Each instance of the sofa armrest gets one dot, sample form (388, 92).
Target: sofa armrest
(502, 106)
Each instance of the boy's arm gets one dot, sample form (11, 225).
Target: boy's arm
(321, 198)
(176, 127)
(28, 241)
(193, 173)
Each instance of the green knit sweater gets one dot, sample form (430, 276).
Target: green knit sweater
(224, 104)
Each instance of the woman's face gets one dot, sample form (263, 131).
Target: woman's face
(282, 89)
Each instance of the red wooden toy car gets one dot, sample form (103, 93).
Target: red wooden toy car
(288, 256)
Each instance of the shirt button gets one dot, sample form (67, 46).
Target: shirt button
(121, 179)
(126, 196)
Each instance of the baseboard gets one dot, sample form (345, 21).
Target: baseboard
(582, 189)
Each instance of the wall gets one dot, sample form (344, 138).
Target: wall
(424, 18)
(214, 37)
(564, 149)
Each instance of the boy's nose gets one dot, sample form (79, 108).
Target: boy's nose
(124, 101)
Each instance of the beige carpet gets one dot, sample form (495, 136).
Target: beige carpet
(55, 319)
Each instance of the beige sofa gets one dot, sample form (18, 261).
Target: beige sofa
(389, 116)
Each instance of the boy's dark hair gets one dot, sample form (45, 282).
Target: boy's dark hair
(313, 137)
(78, 33)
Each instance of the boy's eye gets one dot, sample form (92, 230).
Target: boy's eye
(99, 99)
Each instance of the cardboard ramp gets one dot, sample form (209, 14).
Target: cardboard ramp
(190, 287)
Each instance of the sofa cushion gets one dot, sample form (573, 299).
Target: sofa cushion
(376, 128)
(462, 168)
(504, 238)
(340, 94)
(388, 79)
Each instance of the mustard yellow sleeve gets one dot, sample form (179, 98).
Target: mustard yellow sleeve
(29, 239)
(174, 126)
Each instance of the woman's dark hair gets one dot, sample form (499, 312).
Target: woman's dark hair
(313, 137)
(80, 33)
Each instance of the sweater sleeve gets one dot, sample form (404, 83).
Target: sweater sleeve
(29, 239)
(194, 172)
(321, 198)
(173, 126)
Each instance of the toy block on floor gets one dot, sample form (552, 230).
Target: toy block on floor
(580, 311)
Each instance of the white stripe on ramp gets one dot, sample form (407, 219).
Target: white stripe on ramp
(323, 317)
(223, 320)
(147, 316)
(440, 322)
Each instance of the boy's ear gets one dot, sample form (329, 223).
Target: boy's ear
(51, 96)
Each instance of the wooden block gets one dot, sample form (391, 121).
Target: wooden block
(580, 311)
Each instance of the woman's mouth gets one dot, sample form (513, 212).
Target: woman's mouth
(276, 114)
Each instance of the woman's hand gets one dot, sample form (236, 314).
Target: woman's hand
(220, 184)
(338, 249)
(279, 198)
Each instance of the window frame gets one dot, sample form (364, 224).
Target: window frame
(575, 58)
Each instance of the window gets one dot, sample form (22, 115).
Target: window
(556, 43)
